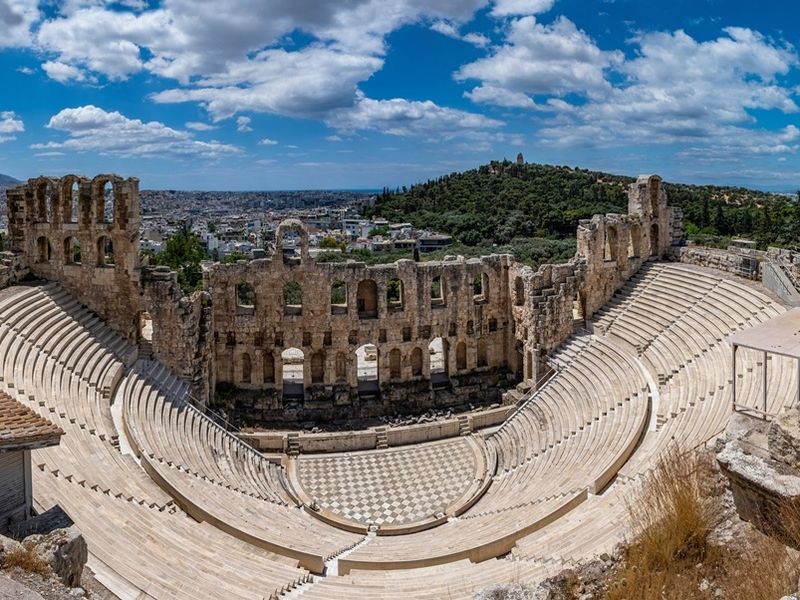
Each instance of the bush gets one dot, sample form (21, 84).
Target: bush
(671, 520)
(25, 558)
(669, 555)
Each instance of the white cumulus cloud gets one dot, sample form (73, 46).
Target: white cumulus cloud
(553, 59)
(92, 129)
(506, 8)
(10, 122)
(403, 117)
(62, 72)
(243, 124)
(16, 19)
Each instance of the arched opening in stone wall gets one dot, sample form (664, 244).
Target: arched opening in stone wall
(654, 239)
(395, 361)
(43, 250)
(105, 251)
(461, 356)
(480, 288)
(318, 367)
(341, 367)
(245, 297)
(367, 369)
(292, 373)
(269, 367)
(394, 295)
(437, 292)
(367, 299)
(610, 249)
(481, 359)
(519, 291)
(338, 297)
(247, 369)
(291, 241)
(104, 207)
(292, 299)
(578, 308)
(416, 362)
(634, 241)
(43, 202)
(438, 361)
(70, 200)
(145, 326)
(72, 251)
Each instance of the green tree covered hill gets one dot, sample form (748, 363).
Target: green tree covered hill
(503, 201)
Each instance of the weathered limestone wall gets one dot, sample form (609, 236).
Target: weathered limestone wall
(13, 268)
(492, 315)
(182, 329)
(249, 339)
(68, 231)
(789, 260)
(543, 312)
(762, 462)
(738, 261)
(548, 304)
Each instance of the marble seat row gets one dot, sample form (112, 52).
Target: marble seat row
(161, 554)
(454, 581)
(141, 543)
(156, 410)
(216, 478)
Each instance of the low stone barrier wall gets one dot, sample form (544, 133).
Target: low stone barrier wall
(744, 263)
(367, 439)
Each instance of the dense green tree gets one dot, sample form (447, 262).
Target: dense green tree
(501, 202)
(183, 254)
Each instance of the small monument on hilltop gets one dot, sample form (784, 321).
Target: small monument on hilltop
(520, 160)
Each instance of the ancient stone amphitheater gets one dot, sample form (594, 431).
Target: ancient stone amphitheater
(619, 353)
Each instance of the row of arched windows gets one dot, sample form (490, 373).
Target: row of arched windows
(72, 251)
(366, 357)
(610, 249)
(366, 296)
(62, 198)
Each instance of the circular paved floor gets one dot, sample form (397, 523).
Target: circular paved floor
(397, 486)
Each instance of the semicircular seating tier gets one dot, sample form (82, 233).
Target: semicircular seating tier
(161, 491)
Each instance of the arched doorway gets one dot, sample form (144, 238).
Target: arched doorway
(416, 362)
(367, 369)
(438, 362)
(292, 360)
(654, 245)
(395, 364)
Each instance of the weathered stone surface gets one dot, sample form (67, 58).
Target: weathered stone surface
(495, 318)
(733, 260)
(11, 590)
(8, 545)
(763, 488)
(783, 437)
(64, 550)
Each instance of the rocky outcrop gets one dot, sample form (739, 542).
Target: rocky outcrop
(762, 461)
(64, 550)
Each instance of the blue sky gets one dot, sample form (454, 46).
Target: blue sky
(298, 94)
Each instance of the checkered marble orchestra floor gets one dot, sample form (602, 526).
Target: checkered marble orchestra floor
(397, 486)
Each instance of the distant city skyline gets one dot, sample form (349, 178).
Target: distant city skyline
(362, 94)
